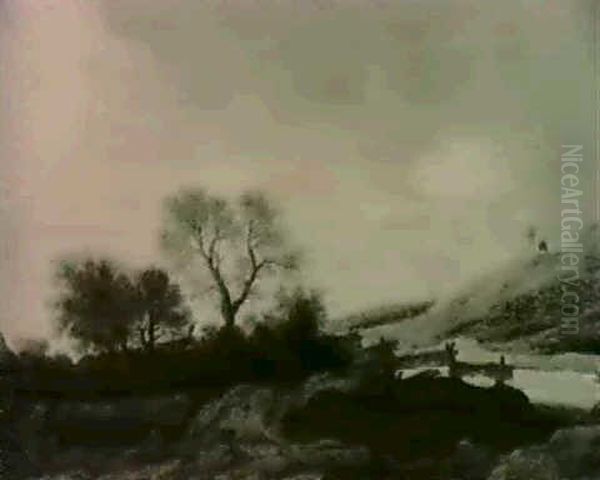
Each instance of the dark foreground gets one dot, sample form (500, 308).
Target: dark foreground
(327, 427)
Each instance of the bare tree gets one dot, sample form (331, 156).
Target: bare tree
(237, 243)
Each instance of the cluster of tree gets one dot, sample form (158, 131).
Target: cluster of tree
(106, 310)
(136, 330)
(230, 245)
(285, 345)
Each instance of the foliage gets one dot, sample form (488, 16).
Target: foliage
(287, 345)
(97, 305)
(104, 310)
(290, 343)
(161, 309)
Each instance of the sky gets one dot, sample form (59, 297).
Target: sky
(410, 144)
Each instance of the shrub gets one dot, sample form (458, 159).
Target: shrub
(290, 343)
(287, 345)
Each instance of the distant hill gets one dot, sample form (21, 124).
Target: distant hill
(385, 315)
(530, 314)
(515, 306)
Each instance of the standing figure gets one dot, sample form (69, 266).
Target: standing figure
(451, 354)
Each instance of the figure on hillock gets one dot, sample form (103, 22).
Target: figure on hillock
(451, 354)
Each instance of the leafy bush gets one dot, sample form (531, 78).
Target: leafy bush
(290, 343)
(287, 345)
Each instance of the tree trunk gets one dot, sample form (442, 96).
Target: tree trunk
(151, 334)
(228, 313)
(143, 340)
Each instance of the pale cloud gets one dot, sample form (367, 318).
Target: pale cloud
(409, 143)
(472, 168)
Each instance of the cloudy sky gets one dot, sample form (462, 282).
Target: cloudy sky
(410, 143)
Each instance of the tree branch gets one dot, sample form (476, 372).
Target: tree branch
(213, 252)
(255, 268)
(200, 241)
(213, 266)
